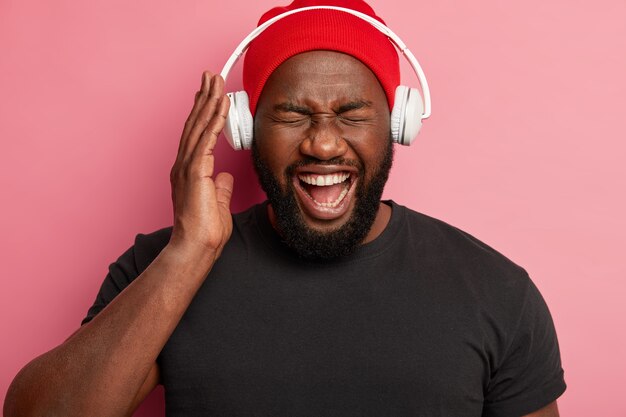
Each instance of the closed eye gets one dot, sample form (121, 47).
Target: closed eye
(355, 117)
(355, 112)
(289, 119)
(290, 114)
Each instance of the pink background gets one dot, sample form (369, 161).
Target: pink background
(524, 150)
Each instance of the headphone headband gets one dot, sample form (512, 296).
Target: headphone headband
(243, 45)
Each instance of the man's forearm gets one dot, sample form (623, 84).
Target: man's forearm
(99, 370)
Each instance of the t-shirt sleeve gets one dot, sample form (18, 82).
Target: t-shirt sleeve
(128, 267)
(529, 375)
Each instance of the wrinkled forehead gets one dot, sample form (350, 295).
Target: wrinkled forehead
(324, 76)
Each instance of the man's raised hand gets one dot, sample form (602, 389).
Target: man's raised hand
(202, 218)
(122, 342)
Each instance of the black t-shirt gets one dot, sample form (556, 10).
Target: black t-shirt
(423, 321)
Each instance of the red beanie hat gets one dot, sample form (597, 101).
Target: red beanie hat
(322, 29)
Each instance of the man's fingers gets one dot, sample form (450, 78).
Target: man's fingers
(199, 100)
(202, 158)
(209, 137)
(224, 189)
(206, 114)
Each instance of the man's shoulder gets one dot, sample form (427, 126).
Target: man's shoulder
(147, 246)
(452, 243)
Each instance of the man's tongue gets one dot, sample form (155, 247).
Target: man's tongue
(325, 194)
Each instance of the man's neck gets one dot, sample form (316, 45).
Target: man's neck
(380, 222)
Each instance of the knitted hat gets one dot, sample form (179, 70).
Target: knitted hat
(321, 29)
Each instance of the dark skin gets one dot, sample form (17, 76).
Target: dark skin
(107, 367)
(324, 105)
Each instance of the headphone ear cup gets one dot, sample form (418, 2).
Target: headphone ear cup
(406, 115)
(239, 122)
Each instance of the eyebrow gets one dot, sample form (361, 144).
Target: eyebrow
(353, 105)
(288, 107)
(292, 108)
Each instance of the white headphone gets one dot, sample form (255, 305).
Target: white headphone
(406, 116)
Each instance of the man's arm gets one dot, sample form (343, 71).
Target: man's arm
(108, 366)
(551, 410)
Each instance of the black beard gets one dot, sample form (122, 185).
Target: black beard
(312, 244)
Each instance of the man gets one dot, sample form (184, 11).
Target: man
(323, 301)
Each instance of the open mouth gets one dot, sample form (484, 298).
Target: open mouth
(325, 195)
(326, 190)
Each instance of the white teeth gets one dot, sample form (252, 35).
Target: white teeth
(334, 203)
(324, 180)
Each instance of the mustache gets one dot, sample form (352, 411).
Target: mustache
(308, 161)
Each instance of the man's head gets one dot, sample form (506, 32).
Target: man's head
(322, 151)
(322, 146)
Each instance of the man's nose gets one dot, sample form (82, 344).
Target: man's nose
(324, 140)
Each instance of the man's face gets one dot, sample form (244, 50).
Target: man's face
(322, 151)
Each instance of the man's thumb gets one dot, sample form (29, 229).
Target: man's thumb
(224, 188)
